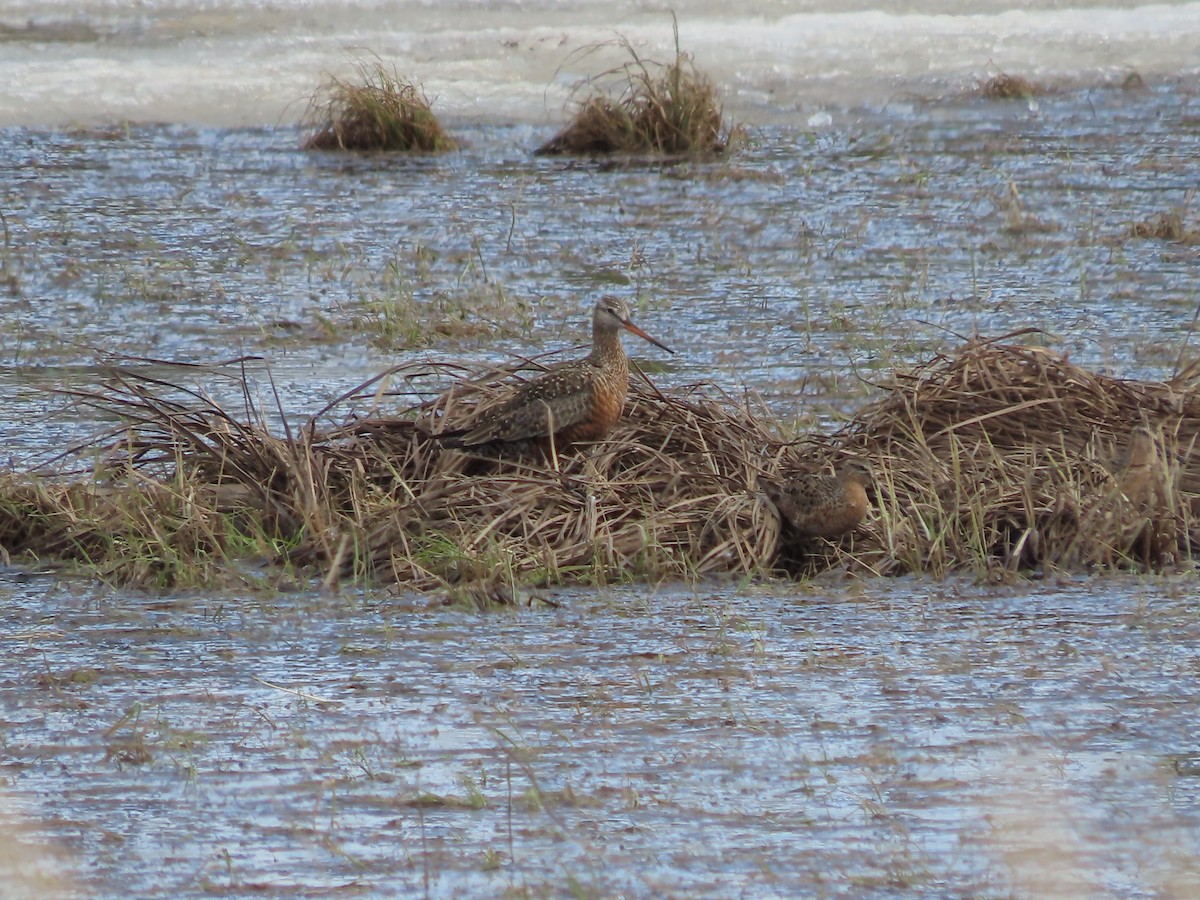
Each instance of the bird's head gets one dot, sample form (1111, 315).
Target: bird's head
(612, 313)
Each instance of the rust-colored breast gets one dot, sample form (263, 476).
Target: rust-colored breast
(846, 513)
(604, 413)
(605, 402)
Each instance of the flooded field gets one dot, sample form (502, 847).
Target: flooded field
(815, 257)
(838, 737)
(832, 739)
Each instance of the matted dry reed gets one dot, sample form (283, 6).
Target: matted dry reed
(999, 460)
(380, 110)
(644, 107)
(1006, 458)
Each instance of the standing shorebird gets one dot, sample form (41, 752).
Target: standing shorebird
(1142, 479)
(1149, 531)
(821, 505)
(570, 403)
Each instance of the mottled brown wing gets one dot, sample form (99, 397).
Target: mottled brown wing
(819, 505)
(556, 400)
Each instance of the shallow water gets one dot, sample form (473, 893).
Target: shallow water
(839, 739)
(813, 259)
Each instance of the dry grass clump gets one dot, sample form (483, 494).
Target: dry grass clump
(1133, 82)
(379, 111)
(654, 108)
(1009, 87)
(138, 531)
(1001, 459)
(1007, 458)
(671, 495)
(1165, 227)
(667, 496)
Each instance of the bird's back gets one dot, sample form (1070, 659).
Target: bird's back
(820, 505)
(562, 401)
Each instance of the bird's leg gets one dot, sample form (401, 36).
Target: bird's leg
(582, 484)
(550, 435)
(579, 485)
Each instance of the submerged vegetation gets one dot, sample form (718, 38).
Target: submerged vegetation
(381, 110)
(1001, 460)
(646, 107)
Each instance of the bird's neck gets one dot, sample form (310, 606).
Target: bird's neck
(607, 349)
(1141, 454)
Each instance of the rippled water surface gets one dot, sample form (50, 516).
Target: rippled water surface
(813, 257)
(837, 738)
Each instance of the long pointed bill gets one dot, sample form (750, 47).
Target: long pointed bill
(629, 326)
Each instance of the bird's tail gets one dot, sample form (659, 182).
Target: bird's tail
(450, 439)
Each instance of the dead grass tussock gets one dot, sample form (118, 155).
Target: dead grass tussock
(186, 484)
(1008, 458)
(142, 532)
(1165, 227)
(1133, 82)
(648, 108)
(666, 497)
(1009, 87)
(1001, 459)
(380, 110)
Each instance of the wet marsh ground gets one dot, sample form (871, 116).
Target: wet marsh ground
(832, 738)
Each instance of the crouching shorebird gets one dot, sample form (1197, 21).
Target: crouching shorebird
(821, 505)
(572, 402)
